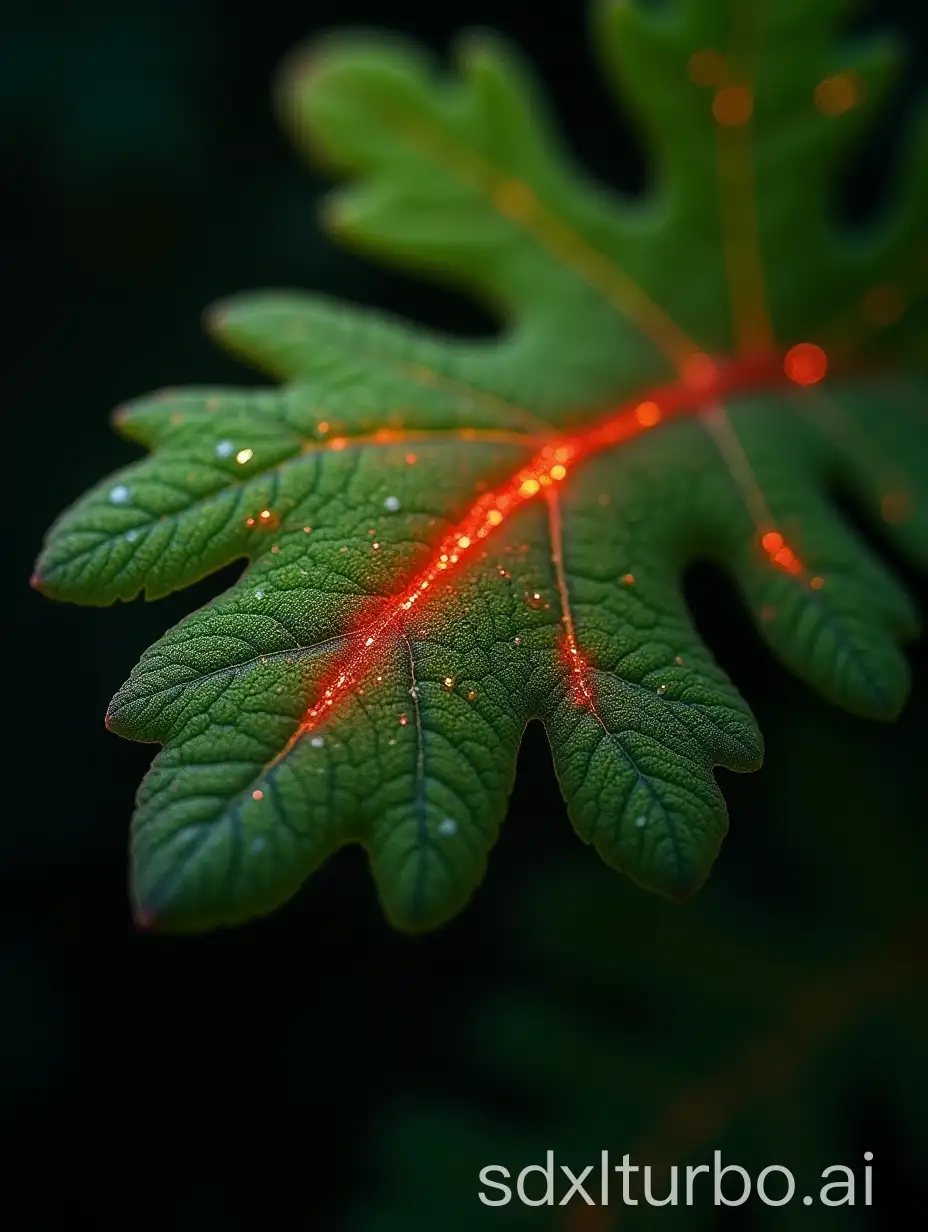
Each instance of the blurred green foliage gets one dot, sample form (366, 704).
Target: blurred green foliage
(745, 1023)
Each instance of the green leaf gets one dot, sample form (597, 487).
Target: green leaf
(447, 539)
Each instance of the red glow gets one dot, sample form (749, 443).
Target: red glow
(548, 468)
(780, 553)
(805, 363)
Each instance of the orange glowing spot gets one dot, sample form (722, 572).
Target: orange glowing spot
(562, 453)
(896, 507)
(783, 557)
(772, 541)
(699, 371)
(249, 521)
(471, 696)
(402, 720)
(275, 549)
(306, 530)
(529, 487)
(647, 414)
(494, 517)
(837, 94)
(805, 363)
(558, 471)
(882, 305)
(817, 583)
(463, 542)
(629, 579)
(707, 68)
(732, 106)
(257, 794)
(323, 427)
(338, 442)
(411, 459)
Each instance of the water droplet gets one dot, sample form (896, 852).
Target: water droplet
(317, 742)
(132, 535)
(119, 495)
(662, 688)
(679, 660)
(414, 692)
(517, 640)
(471, 696)
(448, 826)
(392, 503)
(448, 684)
(258, 845)
(244, 455)
(532, 599)
(257, 794)
(259, 594)
(224, 449)
(641, 821)
(402, 720)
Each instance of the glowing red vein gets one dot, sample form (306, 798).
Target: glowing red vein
(711, 380)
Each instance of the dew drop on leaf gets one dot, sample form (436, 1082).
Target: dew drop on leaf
(224, 449)
(402, 720)
(392, 503)
(119, 495)
(532, 599)
(448, 826)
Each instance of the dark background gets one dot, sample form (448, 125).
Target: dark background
(210, 1082)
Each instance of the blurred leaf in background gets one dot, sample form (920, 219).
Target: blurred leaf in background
(747, 1024)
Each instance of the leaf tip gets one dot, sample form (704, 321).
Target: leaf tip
(216, 318)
